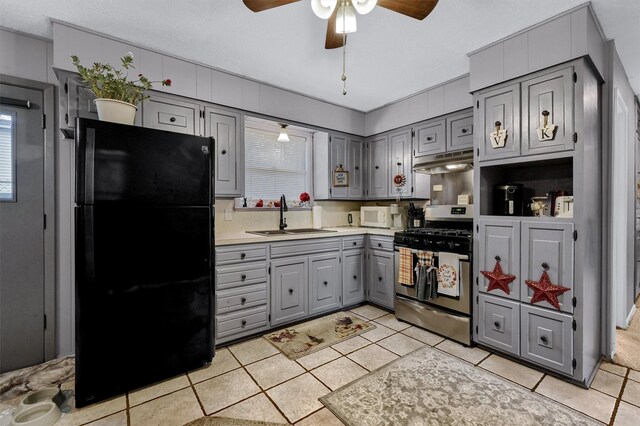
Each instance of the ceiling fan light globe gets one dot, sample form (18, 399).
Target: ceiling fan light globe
(346, 20)
(323, 8)
(364, 6)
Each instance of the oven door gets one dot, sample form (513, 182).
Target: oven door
(461, 304)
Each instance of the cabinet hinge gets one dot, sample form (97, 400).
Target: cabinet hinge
(477, 299)
(477, 228)
(340, 260)
(574, 325)
(476, 280)
(477, 152)
(413, 134)
(476, 329)
(269, 317)
(66, 119)
(412, 189)
(269, 270)
(44, 121)
(574, 363)
(45, 321)
(575, 235)
(329, 139)
(340, 299)
(44, 221)
(66, 88)
(575, 137)
(414, 152)
(575, 77)
(574, 302)
(329, 190)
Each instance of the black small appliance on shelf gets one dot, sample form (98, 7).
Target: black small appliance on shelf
(507, 200)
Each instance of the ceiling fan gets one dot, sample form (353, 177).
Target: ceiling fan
(341, 16)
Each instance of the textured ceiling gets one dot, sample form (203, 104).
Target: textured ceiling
(391, 56)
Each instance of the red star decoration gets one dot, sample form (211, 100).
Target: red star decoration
(498, 279)
(544, 290)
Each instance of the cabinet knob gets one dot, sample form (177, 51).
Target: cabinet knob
(496, 324)
(357, 168)
(172, 119)
(545, 266)
(379, 244)
(544, 339)
(377, 167)
(498, 258)
(429, 138)
(325, 283)
(290, 291)
(223, 152)
(464, 130)
(244, 322)
(379, 278)
(398, 164)
(355, 243)
(243, 277)
(355, 277)
(498, 124)
(243, 255)
(243, 300)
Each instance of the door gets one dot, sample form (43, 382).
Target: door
(352, 277)
(22, 285)
(324, 282)
(172, 115)
(378, 167)
(380, 277)
(338, 159)
(354, 158)
(499, 109)
(430, 139)
(400, 155)
(289, 282)
(499, 242)
(550, 98)
(225, 128)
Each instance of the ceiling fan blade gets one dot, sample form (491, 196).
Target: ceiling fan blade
(333, 40)
(418, 9)
(260, 5)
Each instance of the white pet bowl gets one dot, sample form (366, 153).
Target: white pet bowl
(44, 395)
(41, 414)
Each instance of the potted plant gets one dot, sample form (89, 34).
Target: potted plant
(117, 97)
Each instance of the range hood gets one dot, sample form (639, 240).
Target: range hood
(450, 162)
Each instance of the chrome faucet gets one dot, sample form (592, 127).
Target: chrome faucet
(283, 208)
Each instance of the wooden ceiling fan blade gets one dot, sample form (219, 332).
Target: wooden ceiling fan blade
(260, 5)
(333, 40)
(418, 9)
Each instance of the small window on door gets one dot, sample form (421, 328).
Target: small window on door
(7, 157)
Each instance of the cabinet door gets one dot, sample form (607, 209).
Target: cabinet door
(338, 158)
(224, 127)
(352, 277)
(550, 95)
(499, 238)
(499, 323)
(172, 115)
(499, 105)
(289, 281)
(400, 157)
(355, 160)
(324, 282)
(380, 277)
(460, 132)
(546, 338)
(77, 101)
(551, 245)
(429, 138)
(378, 167)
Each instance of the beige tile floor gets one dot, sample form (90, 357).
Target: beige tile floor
(253, 381)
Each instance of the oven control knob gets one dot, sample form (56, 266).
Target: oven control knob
(451, 244)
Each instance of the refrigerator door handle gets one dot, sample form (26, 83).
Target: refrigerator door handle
(89, 158)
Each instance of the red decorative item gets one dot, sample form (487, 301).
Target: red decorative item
(399, 180)
(544, 290)
(305, 197)
(260, 203)
(498, 279)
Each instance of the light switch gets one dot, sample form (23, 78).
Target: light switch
(437, 188)
(228, 214)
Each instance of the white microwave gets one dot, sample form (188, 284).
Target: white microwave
(375, 217)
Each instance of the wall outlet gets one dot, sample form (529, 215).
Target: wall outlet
(228, 214)
(437, 188)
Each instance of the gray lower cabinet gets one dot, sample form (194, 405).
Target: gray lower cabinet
(352, 277)
(289, 284)
(460, 132)
(380, 277)
(547, 338)
(499, 323)
(499, 109)
(499, 239)
(226, 127)
(324, 283)
(165, 113)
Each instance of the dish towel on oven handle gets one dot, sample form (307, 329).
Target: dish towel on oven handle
(406, 267)
(424, 261)
(449, 274)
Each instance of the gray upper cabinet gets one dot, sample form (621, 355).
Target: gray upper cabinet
(338, 159)
(380, 276)
(355, 155)
(460, 132)
(289, 282)
(500, 105)
(400, 156)
(164, 113)
(226, 128)
(499, 239)
(548, 97)
(378, 166)
(429, 138)
(324, 282)
(548, 246)
(352, 277)
(76, 100)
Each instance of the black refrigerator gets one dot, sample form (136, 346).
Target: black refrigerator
(144, 255)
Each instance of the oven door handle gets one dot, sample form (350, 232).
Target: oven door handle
(435, 253)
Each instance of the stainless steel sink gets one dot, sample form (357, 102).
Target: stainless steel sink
(290, 231)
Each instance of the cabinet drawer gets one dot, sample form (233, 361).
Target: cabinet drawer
(241, 297)
(300, 248)
(381, 243)
(460, 132)
(353, 243)
(499, 323)
(240, 275)
(241, 321)
(547, 338)
(240, 254)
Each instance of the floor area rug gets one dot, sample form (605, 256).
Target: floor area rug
(303, 339)
(51, 373)
(628, 343)
(429, 387)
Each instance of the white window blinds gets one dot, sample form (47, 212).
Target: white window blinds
(274, 168)
(7, 160)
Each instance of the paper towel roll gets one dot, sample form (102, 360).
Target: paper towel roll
(317, 217)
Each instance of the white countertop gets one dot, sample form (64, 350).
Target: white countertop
(229, 238)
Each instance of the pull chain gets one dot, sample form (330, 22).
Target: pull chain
(344, 51)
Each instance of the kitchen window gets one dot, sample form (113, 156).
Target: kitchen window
(7, 157)
(273, 168)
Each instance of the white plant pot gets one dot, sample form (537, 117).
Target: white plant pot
(116, 111)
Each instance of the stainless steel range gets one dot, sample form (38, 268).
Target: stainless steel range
(448, 231)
